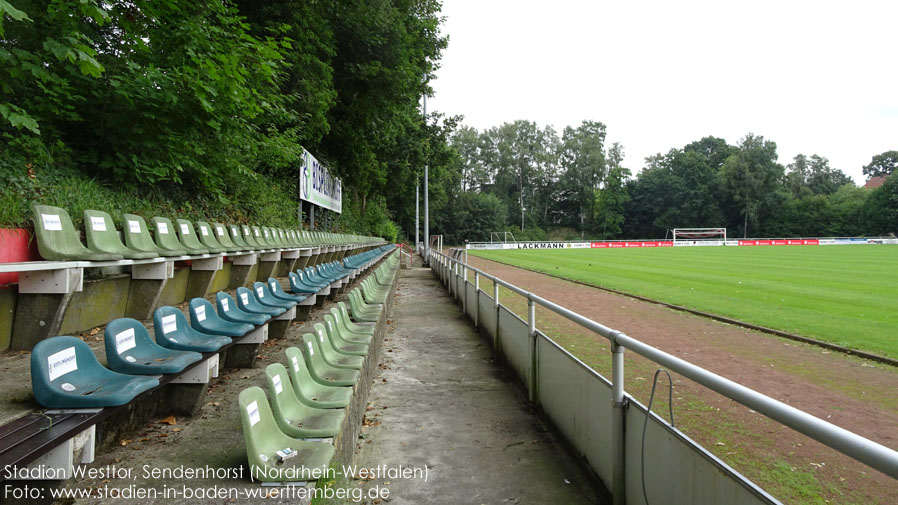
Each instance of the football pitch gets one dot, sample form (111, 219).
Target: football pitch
(847, 295)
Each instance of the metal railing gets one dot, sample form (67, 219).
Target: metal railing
(851, 444)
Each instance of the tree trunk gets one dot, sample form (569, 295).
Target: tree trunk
(745, 227)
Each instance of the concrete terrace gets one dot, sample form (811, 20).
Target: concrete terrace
(441, 401)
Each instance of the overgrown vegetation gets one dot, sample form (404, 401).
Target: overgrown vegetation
(202, 108)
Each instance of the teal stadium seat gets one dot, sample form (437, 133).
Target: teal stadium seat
(65, 374)
(294, 418)
(264, 296)
(230, 311)
(57, 239)
(172, 331)
(130, 350)
(264, 439)
(102, 237)
(247, 302)
(137, 237)
(203, 318)
(278, 292)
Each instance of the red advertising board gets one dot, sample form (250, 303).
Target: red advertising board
(607, 245)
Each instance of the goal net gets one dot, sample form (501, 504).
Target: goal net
(699, 234)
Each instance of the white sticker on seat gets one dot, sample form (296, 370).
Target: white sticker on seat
(220, 230)
(256, 232)
(51, 222)
(266, 233)
(61, 363)
(320, 336)
(311, 352)
(260, 292)
(234, 231)
(203, 230)
(130, 359)
(224, 305)
(169, 324)
(66, 386)
(134, 226)
(97, 223)
(245, 298)
(125, 340)
(162, 228)
(184, 229)
(273, 284)
(200, 313)
(295, 364)
(278, 388)
(252, 410)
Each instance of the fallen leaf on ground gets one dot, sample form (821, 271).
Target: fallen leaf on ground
(169, 420)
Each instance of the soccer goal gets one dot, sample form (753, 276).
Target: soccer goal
(694, 235)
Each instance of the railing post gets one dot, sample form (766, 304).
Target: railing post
(477, 301)
(618, 411)
(496, 342)
(531, 320)
(464, 287)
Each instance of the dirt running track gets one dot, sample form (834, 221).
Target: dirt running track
(849, 392)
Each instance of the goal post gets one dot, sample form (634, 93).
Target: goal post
(699, 234)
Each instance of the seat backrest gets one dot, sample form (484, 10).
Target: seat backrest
(61, 363)
(201, 310)
(249, 238)
(57, 239)
(298, 371)
(166, 237)
(187, 235)
(263, 293)
(103, 237)
(137, 234)
(257, 236)
(280, 389)
(206, 234)
(259, 426)
(125, 336)
(237, 237)
(223, 236)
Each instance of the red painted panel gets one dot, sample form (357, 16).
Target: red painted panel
(15, 246)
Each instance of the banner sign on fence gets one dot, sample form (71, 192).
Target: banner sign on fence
(615, 245)
(317, 186)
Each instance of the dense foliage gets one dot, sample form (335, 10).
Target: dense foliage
(574, 182)
(208, 103)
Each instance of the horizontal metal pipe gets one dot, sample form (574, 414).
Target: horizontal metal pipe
(861, 449)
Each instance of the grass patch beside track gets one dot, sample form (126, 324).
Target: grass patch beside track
(847, 295)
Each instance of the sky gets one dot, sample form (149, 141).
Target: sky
(815, 77)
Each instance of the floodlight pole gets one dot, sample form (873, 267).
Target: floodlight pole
(426, 199)
(417, 199)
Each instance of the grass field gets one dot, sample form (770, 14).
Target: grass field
(847, 295)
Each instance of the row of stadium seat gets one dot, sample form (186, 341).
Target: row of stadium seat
(58, 240)
(316, 380)
(65, 373)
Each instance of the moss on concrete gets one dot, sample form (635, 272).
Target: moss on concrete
(99, 302)
(7, 313)
(222, 278)
(175, 290)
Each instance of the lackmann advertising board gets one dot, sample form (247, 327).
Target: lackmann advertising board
(317, 186)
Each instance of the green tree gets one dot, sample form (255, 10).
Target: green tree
(882, 164)
(751, 176)
(880, 211)
(581, 159)
(612, 198)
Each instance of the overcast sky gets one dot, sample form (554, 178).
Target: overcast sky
(815, 77)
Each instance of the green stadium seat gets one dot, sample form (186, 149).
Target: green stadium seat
(167, 238)
(57, 239)
(364, 335)
(137, 237)
(187, 235)
(222, 234)
(294, 418)
(310, 392)
(102, 237)
(130, 350)
(172, 331)
(264, 440)
(334, 357)
(323, 373)
(361, 311)
(340, 344)
(65, 374)
(206, 234)
(251, 239)
(365, 329)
